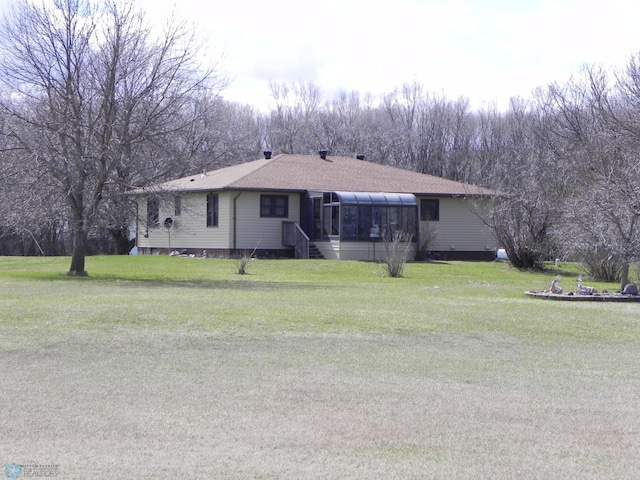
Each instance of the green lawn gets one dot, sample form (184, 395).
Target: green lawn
(180, 368)
(300, 297)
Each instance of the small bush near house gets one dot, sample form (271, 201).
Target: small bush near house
(242, 261)
(428, 236)
(397, 248)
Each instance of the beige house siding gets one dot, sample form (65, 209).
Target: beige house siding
(458, 228)
(190, 231)
(254, 231)
(363, 251)
(367, 251)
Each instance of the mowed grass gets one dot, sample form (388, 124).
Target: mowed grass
(168, 367)
(300, 297)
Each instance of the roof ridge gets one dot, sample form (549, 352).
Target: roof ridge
(252, 171)
(267, 162)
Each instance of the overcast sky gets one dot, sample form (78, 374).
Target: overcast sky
(485, 50)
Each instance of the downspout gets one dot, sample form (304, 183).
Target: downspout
(235, 220)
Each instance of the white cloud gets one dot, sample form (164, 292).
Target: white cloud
(486, 50)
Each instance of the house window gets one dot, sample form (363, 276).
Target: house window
(177, 206)
(429, 210)
(153, 213)
(274, 206)
(212, 210)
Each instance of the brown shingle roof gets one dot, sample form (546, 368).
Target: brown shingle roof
(308, 172)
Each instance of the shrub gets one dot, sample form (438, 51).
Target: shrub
(602, 267)
(397, 248)
(242, 261)
(428, 236)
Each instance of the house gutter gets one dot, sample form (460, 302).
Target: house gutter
(235, 219)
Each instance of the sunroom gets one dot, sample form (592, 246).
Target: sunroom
(353, 222)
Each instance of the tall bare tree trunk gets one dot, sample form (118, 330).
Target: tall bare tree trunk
(624, 275)
(79, 238)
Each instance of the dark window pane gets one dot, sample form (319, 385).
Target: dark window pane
(335, 220)
(430, 209)
(212, 210)
(280, 206)
(326, 224)
(153, 213)
(274, 206)
(349, 221)
(365, 223)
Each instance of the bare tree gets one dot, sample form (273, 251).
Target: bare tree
(598, 117)
(531, 179)
(430, 133)
(90, 87)
(291, 122)
(32, 222)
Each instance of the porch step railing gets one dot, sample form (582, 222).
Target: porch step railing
(294, 236)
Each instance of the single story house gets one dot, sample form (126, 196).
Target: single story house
(302, 206)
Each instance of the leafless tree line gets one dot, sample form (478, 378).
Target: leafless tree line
(94, 101)
(566, 162)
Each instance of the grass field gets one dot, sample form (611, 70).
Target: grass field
(165, 367)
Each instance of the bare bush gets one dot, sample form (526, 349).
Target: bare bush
(602, 268)
(428, 236)
(397, 247)
(242, 261)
